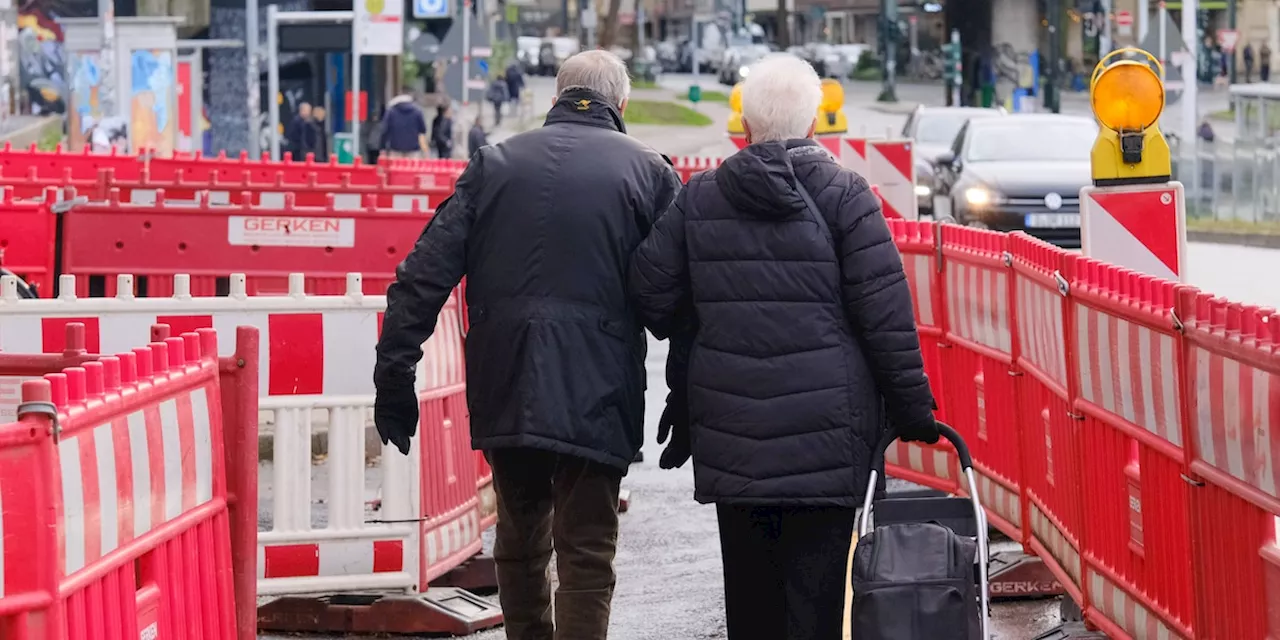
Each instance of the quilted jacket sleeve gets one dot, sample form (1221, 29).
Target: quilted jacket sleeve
(877, 299)
(423, 282)
(659, 277)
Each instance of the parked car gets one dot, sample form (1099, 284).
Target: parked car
(553, 52)
(527, 48)
(934, 130)
(738, 60)
(1019, 173)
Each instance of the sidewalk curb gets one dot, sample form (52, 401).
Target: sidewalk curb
(1261, 240)
(895, 108)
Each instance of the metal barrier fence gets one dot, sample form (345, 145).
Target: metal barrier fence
(1230, 180)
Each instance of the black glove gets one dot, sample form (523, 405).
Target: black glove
(675, 423)
(925, 431)
(395, 414)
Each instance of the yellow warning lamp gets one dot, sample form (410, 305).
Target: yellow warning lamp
(735, 106)
(1127, 95)
(831, 118)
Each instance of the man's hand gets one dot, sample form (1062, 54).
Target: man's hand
(674, 423)
(395, 414)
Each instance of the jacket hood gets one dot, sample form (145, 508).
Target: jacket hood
(583, 106)
(760, 180)
(406, 106)
(399, 100)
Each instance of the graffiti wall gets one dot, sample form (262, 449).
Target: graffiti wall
(41, 55)
(85, 110)
(152, 102)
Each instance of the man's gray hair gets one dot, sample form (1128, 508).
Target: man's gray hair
(780, 98)
(599, 71)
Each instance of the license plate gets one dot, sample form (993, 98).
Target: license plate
(1052, 220)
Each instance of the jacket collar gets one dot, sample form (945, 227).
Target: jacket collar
(583, 106)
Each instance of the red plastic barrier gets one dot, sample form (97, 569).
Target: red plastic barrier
(1136, 533)
(979, 389)
(160, 241)
(423, 172)
(1050, 440)
(1231, 385)
(28, 233)
(931, 465)
(115, 514)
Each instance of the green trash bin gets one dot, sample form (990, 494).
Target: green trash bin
(988, 95)
(345, 146)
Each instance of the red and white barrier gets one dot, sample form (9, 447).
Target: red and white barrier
(1141, 227)
(318, 356)
(115, 498)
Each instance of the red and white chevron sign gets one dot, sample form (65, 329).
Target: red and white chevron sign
(893, 170)
(1139, 227)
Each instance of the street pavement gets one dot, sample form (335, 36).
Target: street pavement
(669, 571)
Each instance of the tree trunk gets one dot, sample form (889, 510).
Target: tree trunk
(784, 30)
(609, 28)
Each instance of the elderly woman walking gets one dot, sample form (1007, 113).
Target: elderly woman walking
(779, 285)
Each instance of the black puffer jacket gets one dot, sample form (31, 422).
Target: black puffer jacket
(795, 349)
(543, 226)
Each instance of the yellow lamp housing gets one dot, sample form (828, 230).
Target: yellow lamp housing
(1127, 95)
(831, 118)
(735, 115)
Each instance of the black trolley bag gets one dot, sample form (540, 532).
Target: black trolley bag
(921, 573)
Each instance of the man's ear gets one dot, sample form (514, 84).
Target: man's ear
(812, 128)
(622, 108)
(746, 128)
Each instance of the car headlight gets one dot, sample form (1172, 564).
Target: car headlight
(923, 191)
(980, 196)
(743, 71)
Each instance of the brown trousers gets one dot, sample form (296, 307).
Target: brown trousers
(545, 501)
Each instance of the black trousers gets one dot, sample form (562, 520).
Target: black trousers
(550, 501)
(784, 571)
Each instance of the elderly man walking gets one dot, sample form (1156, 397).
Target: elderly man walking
(776, 276)
(543, 226)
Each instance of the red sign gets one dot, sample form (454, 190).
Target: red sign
(1228, 38)
(1124, 19)
(364, 106)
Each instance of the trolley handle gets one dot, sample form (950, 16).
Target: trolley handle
(962, 449)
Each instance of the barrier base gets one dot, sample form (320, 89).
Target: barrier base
(478, 574)
(444, 610)
(1071, 631)
(1015, 575)
(624, 500)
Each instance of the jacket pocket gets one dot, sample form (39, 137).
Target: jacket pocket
(920, 610)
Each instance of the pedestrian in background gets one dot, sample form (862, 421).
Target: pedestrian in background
(515, 84)
(542, 225)
(404, 129)
(498, 97)
(1264, 63)
(442, 132)
(300, 133)
(373, 139)
(1247, 56)
(777, 280)
(476, 138)
(320, 134)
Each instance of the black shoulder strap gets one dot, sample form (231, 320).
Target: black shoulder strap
(815, 212)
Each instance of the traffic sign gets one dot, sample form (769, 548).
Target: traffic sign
(427, 9)
(481, 52)
(1124, 23)
(1229, 38)
(1139, 227)
(378, 27)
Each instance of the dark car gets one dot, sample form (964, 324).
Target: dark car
(934, 129)
(1018, 173)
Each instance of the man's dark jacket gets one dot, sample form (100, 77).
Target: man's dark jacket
(402, 125)
(800, 334)
(543, 226)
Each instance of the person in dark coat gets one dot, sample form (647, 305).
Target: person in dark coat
(515, 83)
(1264, 63)
(442, 132)
(301, 132)
(801, 345)
(404, 129)
(1247, 54)
(497, 96)
(542, 225)
(319, 134)
(476, 138)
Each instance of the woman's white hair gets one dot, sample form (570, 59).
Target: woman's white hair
(597, 70)
(780, 98)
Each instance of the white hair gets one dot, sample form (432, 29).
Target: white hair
(596, 70)
(780, 98)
